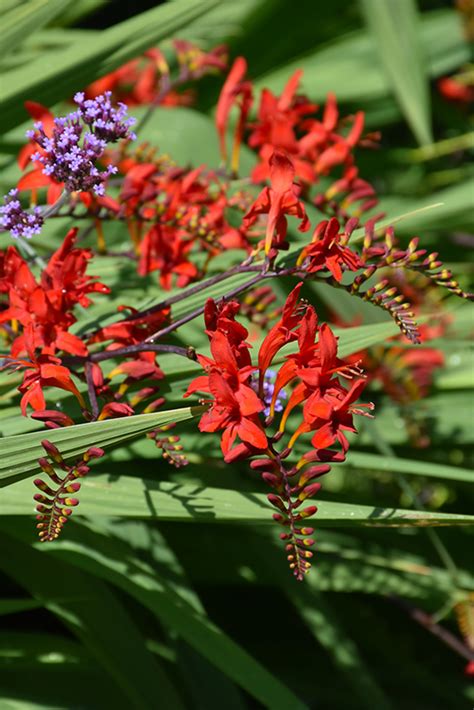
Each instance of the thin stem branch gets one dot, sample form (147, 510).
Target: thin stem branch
(186, 293)
(425, 620)
(142, 348)
(198, 311)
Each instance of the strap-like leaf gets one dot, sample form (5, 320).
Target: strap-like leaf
(19, 454)
(163, 500)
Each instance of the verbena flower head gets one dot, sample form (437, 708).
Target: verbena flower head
(70, 153)
(106, 122)
(16, 220)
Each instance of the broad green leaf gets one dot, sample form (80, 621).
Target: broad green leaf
(20, 453)
(27, 18)
(163, 500)
(395, 30)
(96, 616)
(57, 74)
(113, 560)
(322, 621)
(454, 212)
(348, 66)
(80, 9)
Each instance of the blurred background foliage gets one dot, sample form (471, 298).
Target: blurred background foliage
(125, 612)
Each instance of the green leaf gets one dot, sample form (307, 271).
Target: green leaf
(12, 606)
(409, 467)
(348, 66)
(163, 500)
(25, 19)
(116, 562)
(57, 74)
(96, 616)
(323, 623)
(394, 27)
(20, 453)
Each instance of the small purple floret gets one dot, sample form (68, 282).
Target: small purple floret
(16, 220)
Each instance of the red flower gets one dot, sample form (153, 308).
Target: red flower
(277, 201)
(45, 309)
(235, 92)
(281, 333)
(328, 251)
(236, 405)
(42, 371)
(163, 250)
(279, 120)
(452, 89)
(330, 416)
(132, 331)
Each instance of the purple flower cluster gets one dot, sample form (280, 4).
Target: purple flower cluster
(16, 220)
(106, 122)
(71, 153)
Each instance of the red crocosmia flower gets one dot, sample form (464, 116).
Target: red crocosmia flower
(162, 249)
(277, 201)
(330, 416)
(279, 120)
(132, 331)
(328, 251)
(41, 371)
(221, 317)
(339, 152)
(235, 92)
(198, 61)
(236, 405)
(281, 333)
(45, 309)
(307, 355)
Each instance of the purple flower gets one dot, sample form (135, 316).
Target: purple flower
(106, 122)
(268, 390)
(16, 220)
(71, 153)
(69, 156)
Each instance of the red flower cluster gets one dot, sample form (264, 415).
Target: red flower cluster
(39, 315)
(173, 214)
(146, 79)
(288, 124)
(313, 374)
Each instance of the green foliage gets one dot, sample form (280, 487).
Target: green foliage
(168, 588)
